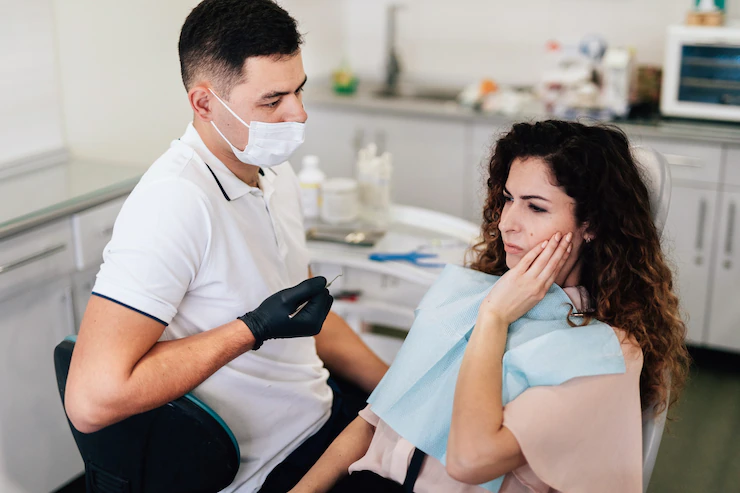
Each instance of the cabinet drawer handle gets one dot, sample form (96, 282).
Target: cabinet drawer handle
(730, 228)
(32, 258)
(683, 161)
(700, 224)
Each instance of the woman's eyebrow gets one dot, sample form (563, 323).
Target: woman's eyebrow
(530, 197)
(526, 197)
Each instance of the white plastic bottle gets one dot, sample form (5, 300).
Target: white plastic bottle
(311, 178)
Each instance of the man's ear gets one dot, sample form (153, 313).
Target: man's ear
(201, 100)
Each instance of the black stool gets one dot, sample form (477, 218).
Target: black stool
(182, 446)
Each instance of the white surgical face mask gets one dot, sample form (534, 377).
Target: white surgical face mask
(269, 143)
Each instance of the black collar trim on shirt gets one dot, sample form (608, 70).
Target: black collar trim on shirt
(218, 182)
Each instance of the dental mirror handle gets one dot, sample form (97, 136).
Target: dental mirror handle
(303, 305)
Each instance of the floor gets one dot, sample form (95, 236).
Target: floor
(76, 486)
(700, 451)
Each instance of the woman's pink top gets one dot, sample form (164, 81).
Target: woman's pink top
(584, 435)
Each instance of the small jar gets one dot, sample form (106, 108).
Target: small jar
(339, 200)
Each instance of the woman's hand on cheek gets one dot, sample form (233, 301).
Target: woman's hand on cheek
(522, 287)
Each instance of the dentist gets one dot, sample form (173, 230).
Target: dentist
(208, 260)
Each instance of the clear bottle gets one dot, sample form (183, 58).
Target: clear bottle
(381, 209)
(311, 178)
(366, 175)
(374, 175)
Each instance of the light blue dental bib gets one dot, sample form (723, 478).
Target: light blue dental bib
(415, 397)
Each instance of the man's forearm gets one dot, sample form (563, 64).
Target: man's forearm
(181, 365)
(347, 356)
(166, 372)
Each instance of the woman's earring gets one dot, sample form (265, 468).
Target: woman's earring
(588, 239)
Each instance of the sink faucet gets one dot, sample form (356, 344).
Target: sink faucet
(392, 64)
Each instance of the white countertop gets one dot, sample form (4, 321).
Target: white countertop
(32, 198)
(365, 100)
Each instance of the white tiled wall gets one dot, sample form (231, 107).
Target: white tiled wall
(122, 93)
(322, 22)
(30, 121)
(462, 40)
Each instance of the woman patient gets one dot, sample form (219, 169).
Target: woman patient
(566, 205)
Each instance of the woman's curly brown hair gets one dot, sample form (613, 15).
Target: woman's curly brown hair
(623, 268)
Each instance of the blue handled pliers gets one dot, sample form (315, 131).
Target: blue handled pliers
(411, 257)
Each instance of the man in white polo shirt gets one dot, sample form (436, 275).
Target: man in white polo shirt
(208, 262)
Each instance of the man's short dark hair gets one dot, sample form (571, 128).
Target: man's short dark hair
(219, 35)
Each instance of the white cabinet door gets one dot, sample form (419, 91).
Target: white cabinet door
(687, 243)
(428, 161)
(334, 136)
(691, 161)
(81, 291)
(37, 446)
(92, 230)
(428, 155)
(732, 166)
(724, 317)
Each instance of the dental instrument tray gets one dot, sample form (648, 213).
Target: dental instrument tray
(345, 235)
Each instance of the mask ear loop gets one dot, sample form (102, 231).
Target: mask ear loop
(233, 147)
(229, 109)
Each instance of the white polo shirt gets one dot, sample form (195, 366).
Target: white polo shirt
(195, 247)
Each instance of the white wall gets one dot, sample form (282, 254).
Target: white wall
(463, 40)
(323, 23)
(30, 121)
(123, 97)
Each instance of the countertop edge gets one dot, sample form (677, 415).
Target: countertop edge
(710, 131)
(59, 211)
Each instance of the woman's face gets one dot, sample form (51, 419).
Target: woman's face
(534, 211)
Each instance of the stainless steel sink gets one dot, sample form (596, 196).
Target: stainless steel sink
(442, 95)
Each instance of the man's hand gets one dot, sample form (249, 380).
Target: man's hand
(271, 320)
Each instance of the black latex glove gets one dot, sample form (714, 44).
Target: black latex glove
(271, 320)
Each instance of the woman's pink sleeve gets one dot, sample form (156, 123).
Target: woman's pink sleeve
(368, 415)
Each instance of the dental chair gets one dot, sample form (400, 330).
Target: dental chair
(657, 177)
(182, 446)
